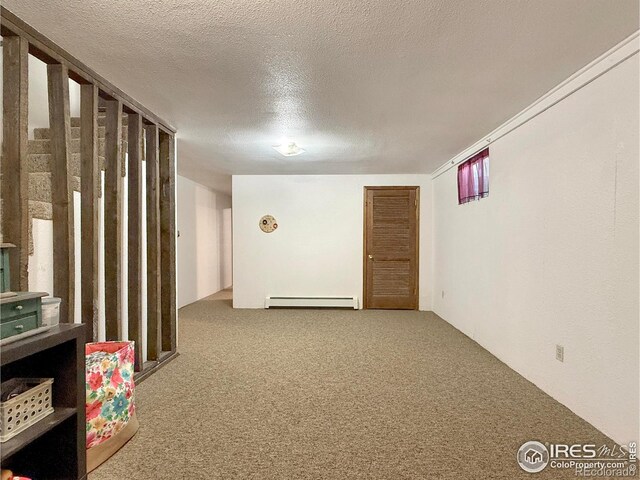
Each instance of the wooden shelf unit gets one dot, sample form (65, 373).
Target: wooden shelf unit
(55, 447)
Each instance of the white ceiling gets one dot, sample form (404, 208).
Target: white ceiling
(365, 86)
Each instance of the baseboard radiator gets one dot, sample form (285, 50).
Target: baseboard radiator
(311, 302)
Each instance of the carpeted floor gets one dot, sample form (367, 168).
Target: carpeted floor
(335, 394)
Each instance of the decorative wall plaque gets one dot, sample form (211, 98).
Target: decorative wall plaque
(268, 224)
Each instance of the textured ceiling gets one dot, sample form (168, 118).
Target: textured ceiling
(365, 86)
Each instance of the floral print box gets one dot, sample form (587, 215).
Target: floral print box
(110, 406)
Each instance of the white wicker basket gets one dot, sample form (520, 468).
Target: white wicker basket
(20, 412)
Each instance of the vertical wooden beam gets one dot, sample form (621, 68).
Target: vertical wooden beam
(15, 176)
(134, 245)
(90, 181)
(154, 339)
(112, 220)
(61, 192)
(168, 240)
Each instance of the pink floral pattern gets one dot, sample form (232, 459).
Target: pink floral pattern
(110, 389)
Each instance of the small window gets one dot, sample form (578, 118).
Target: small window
(473, 178)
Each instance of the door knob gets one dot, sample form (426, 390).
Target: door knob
(370, 257)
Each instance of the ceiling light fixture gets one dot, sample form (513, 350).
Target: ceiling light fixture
(288, 149)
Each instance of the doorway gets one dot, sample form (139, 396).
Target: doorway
(391, 230)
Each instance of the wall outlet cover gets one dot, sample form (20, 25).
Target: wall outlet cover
(560, 353)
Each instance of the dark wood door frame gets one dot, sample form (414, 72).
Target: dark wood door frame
(365, 260)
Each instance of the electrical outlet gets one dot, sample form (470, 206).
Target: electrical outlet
(442, 293)
(560, 353)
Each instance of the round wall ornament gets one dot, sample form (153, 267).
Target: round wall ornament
(268, 224)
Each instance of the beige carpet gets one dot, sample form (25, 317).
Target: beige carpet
(334, 394)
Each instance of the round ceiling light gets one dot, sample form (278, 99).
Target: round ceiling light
(288, 149)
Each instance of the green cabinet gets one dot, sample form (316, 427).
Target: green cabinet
(20, 313)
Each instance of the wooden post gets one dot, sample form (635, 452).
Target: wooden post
(90, 181)
(154, 340)
(134, 245)
(15, 179)
(112, 220)
(168, 240)
(61, 192)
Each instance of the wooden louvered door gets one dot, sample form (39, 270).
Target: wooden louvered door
(391, 247)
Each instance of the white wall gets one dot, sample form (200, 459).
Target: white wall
(318, 246)
(41, 261)
(203, 251)
(551, 256)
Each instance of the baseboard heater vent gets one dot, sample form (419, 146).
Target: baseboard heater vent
(312, 302)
